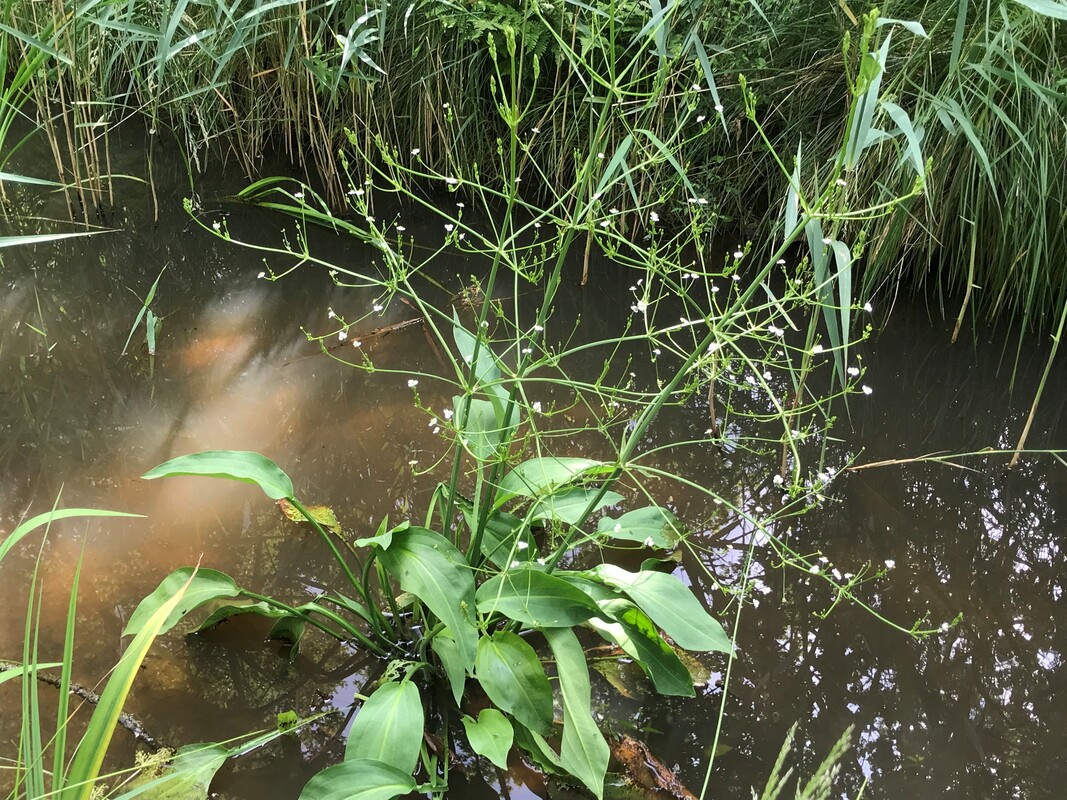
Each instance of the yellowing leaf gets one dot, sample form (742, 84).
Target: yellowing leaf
(323, 515)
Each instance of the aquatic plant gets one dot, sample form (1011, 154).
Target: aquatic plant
(517, 547)
(76, 767)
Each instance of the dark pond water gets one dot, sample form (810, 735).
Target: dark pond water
(977, 710)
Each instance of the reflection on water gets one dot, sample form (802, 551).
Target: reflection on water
(973, 711)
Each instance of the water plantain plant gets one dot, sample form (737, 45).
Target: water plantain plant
(493, 589)
(436, 611)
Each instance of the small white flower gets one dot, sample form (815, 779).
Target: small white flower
(521, 545)
(538, 328)
(378, 307)
(868, 307)
(342, 335)
(650, 542)
(369, 219)
(777, 480)
(447, 413)
(617, 528)
(718, 108)
(735, 278)
(357, 343)
(701, 118)
(653, 217)
(536, 406)
(613, 210)
(416, 151)
(853, 371)
(816, 349)
(814, 569)
(774, 330)
(412, 383)
(890, 563)
(738, 254)
(461, 205)
(527, 350)
(696, 87)
(330, 314)
(841, 182)
(605, 223)
(262, 275)
(400, 229)
(867, 389)
(642, 305)
(352, 192)
(216, 225)
(298, 195)
(451, 181)
(945, 627)
(515, 564)
(535, 130)
(600, 156)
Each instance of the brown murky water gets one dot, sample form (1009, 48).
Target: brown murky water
(975, 711)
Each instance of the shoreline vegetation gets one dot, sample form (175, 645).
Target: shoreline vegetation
(985, 89)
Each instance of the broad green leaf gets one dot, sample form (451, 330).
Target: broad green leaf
(323, 515)
(236, 465)
(288, 628)
(89, 755)
(30, 525)
(510, 672)
(634, 633)
(477, 423)
(569, 505)
(453, 662)
(430, 567)
(533, 596)
(204, 586)
(583, 751)
(490, 736)
(186, 777)
(388, 727)
(670, 604)
(653, 526)
(540, 476)
(358, 780)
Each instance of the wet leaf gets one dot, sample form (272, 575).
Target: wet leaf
(205, 585)
(429, 566)
(234, 465)
(583, 751)
(635, 634)
(670, 604)
(532, 596)
(539, 476)
(652, 526)
(511, 674)
(361, 779)
(187, 777)
(569, 505)
(490, 736)
(388, 727)
(323, 515)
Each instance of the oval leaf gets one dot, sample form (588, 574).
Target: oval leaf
(569, 505)
(670, 604)
(511, 674)
(358, 780)
(633, 632)
(652, 526)
(428, 565)
(388, 728)
(205, 585)
(235, 465)
(540, 475)
(536, 598)
(491, 736)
